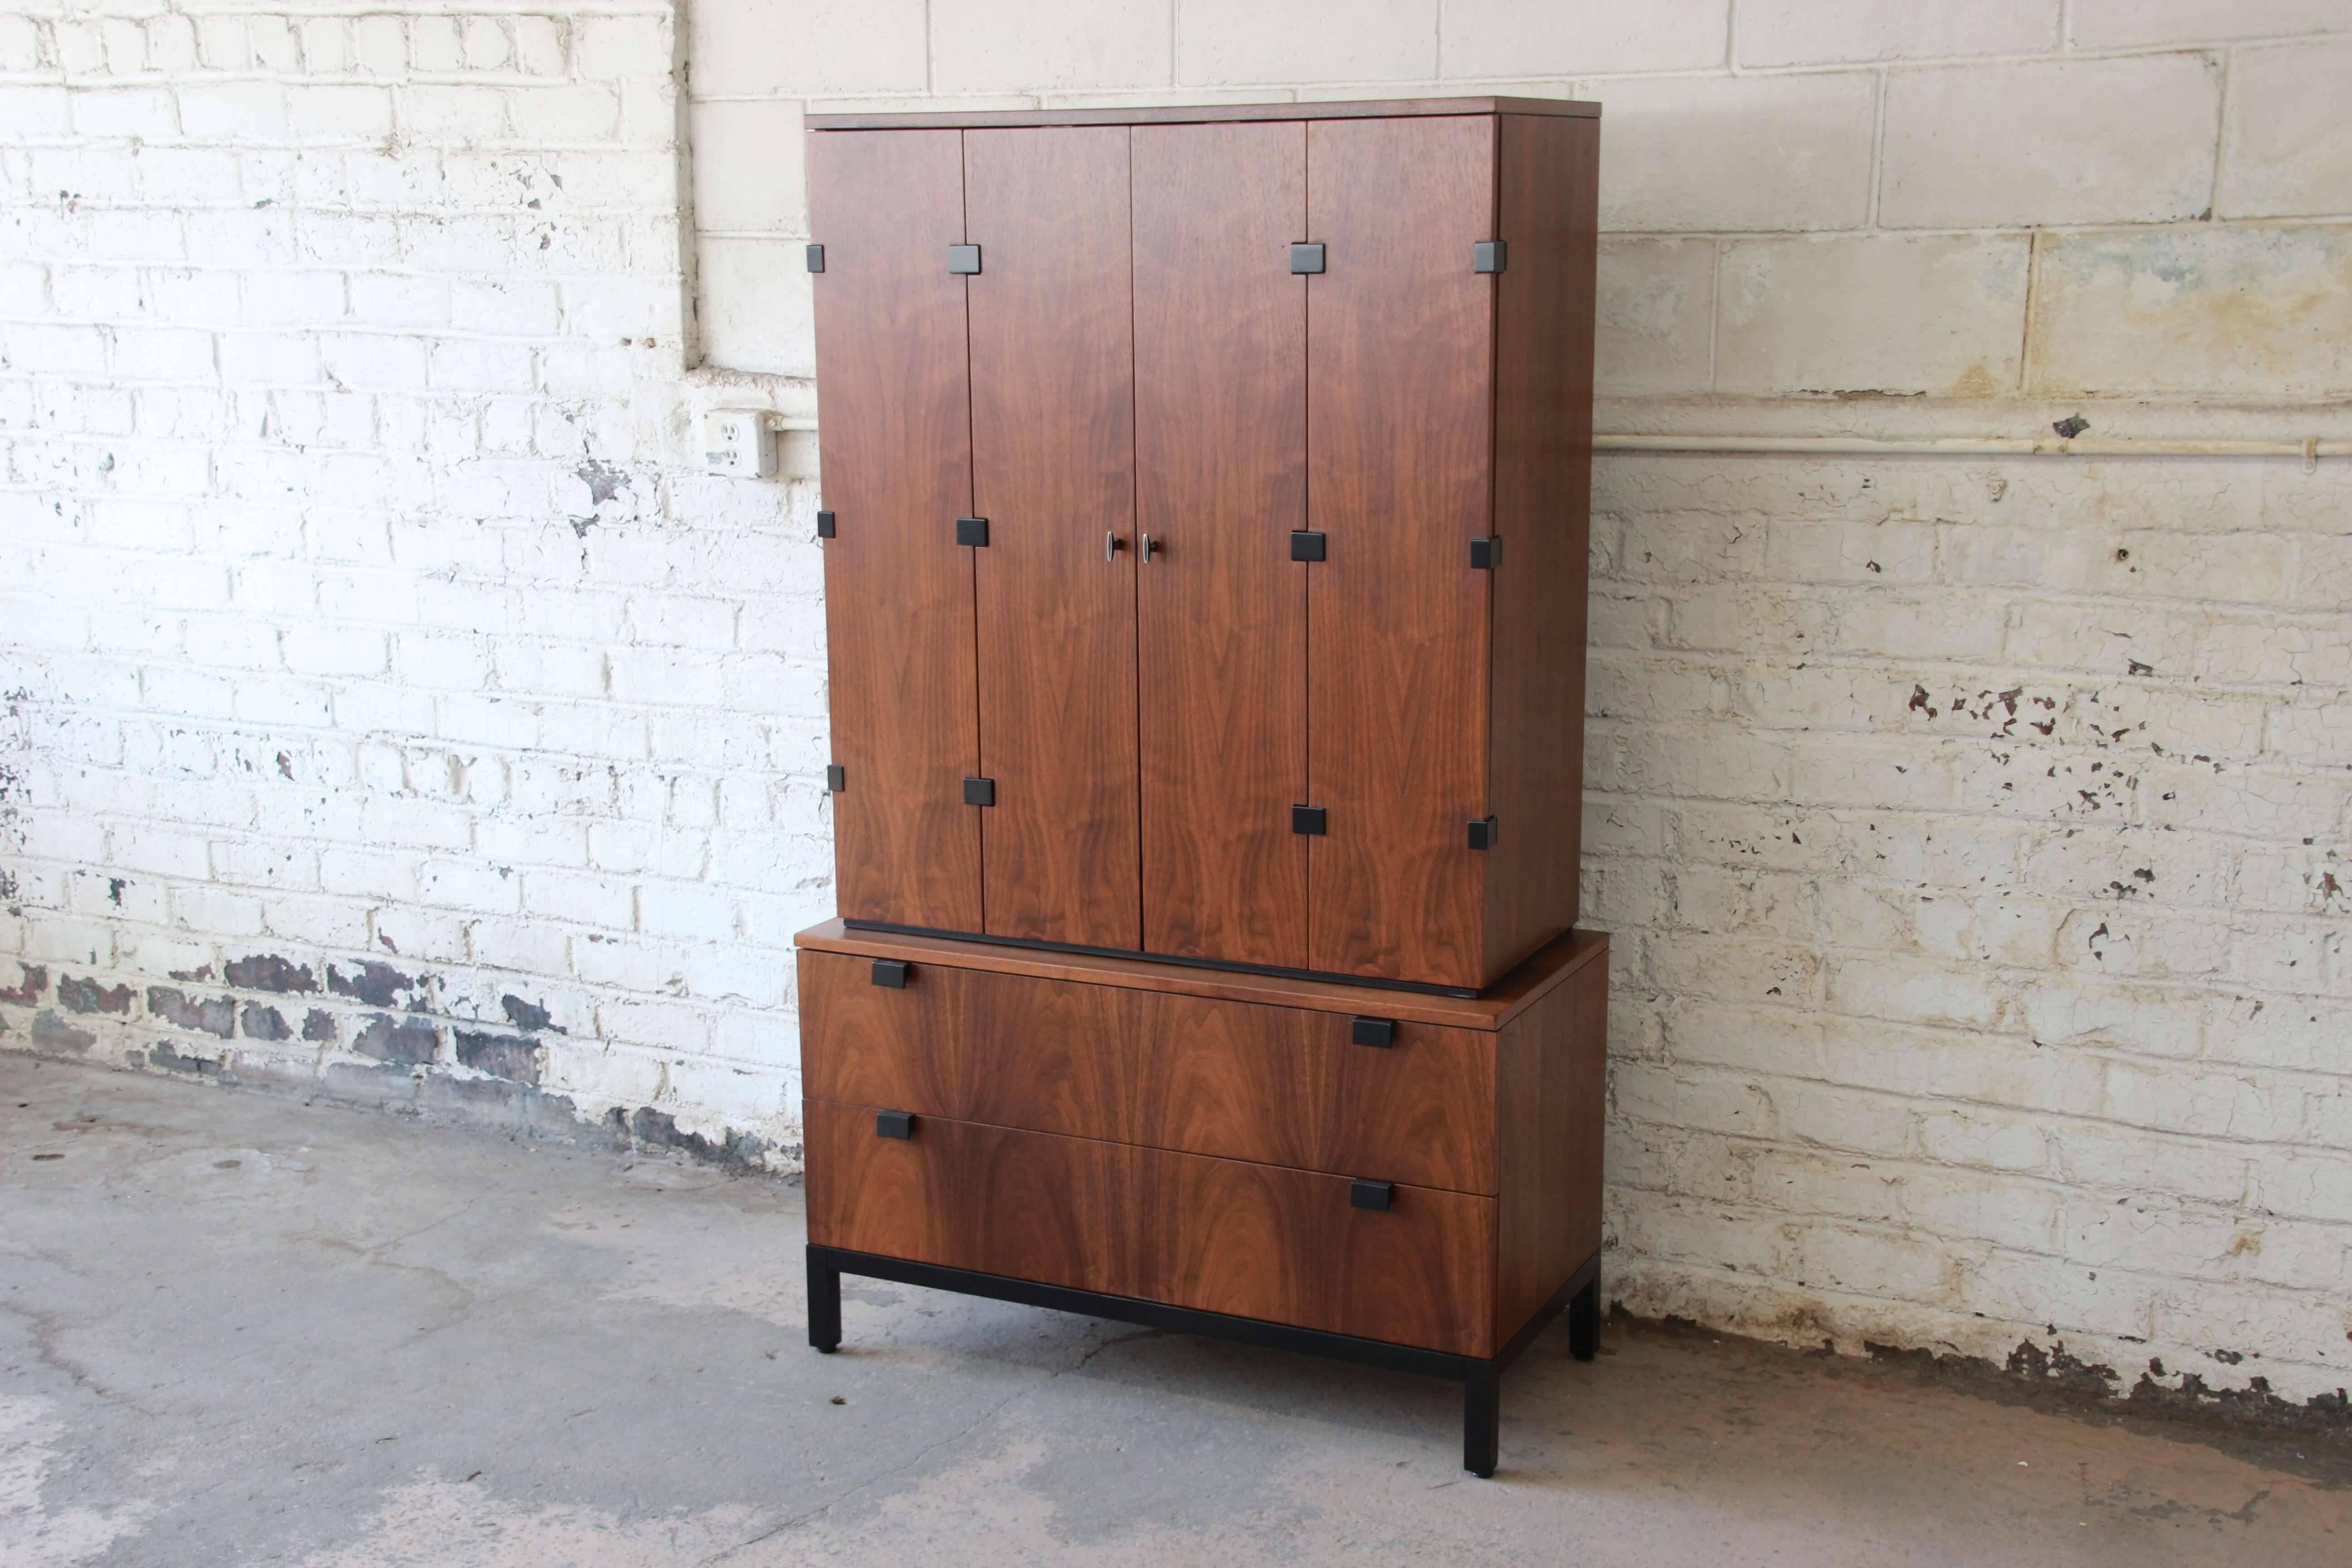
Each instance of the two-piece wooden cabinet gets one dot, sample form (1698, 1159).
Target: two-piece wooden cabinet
(1206, 520)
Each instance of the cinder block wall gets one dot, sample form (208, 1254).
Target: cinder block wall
(392, 709)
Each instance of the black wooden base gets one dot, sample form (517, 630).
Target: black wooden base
(1481, 1377)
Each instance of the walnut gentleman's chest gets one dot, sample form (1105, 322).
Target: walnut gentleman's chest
(1205, 536)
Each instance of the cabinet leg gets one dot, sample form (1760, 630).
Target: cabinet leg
(1482, 1419)
(824, 1304)
(1584, 1320)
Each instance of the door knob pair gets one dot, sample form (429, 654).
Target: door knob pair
(1113, 544)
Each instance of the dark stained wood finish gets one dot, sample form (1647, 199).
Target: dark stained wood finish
(1552, 1087)
(1399, 390)
(1285, 1246)
(1279, 1085)
(1220, 477)
(1213, 113)
(1550, 180)
(1052, 434)
(896, 454)
(1008, 1049)
(1287, 1086)
(1497, 1006)
(1030, 1204)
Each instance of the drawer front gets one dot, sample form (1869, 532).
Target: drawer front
(1029, 1204)
(1005, 1049)
(1278, 1085)
(1283, 1086)
(1222, 1236)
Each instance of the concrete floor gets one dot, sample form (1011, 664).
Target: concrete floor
(238, 1329)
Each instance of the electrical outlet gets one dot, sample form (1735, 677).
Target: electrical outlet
(738, 441)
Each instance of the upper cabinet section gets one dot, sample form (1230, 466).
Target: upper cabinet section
(1207, 522)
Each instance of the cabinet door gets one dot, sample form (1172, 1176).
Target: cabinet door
(896, 446)
(1221, 482)
(1052, 390)
(1399, 389)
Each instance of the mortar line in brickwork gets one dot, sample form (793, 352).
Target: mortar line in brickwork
(2310, 451)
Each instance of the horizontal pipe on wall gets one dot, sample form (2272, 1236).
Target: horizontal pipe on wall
(2310, 451)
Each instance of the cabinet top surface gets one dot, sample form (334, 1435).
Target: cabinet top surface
(1501, 1001)
(1373, 109)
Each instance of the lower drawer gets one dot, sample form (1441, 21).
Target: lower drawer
(1222, 1236)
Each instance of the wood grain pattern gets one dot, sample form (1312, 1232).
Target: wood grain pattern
(1552, 1085)
(1278, 1085)
(1219, 1234)
(1500, 1003)
(1547, 193)
(1285, 1246)
(1221, 477)
(1400, 372)
(896, 454)
(1285, 1087)
(1029, 1204)
(1053, 469)
(1006, 1049)
(1208, 113)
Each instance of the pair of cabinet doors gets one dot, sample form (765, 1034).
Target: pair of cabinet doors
(1093, 728)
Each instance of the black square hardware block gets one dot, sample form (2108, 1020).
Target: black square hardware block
(980, 792)
(834, 778)
(963, 259)
(825, 525)
(1488, 255)
(1305, 546)
(971, 531)
(816, 258)
(1381, 1032)
(1486, 554)
(1306, 259)
(1371, 1194)
(1485, 832)
(901, 1124)
(890, 974)
(1306, 819)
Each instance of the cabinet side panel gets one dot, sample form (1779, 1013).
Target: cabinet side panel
(1054, 471)
(1220, 481)
(896, 446)
(1551, 1081)
(1543, 496)
(1399, 366)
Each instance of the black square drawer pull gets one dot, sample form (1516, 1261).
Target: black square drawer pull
(1307, 547)
(890, 974)
(1306, 819)
(825, 525)
(816, 258)
(971, 531)
(980, 792)
(836, 778)
(1306, 259)
(1485, 832)
(1486, 554)
(963, 259)
(1381, 1032)
(1371, 1194)
(901, 1124)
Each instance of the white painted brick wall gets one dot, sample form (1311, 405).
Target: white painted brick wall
(1976, 835)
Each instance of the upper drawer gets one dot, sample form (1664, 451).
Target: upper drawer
(1280, 1086)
